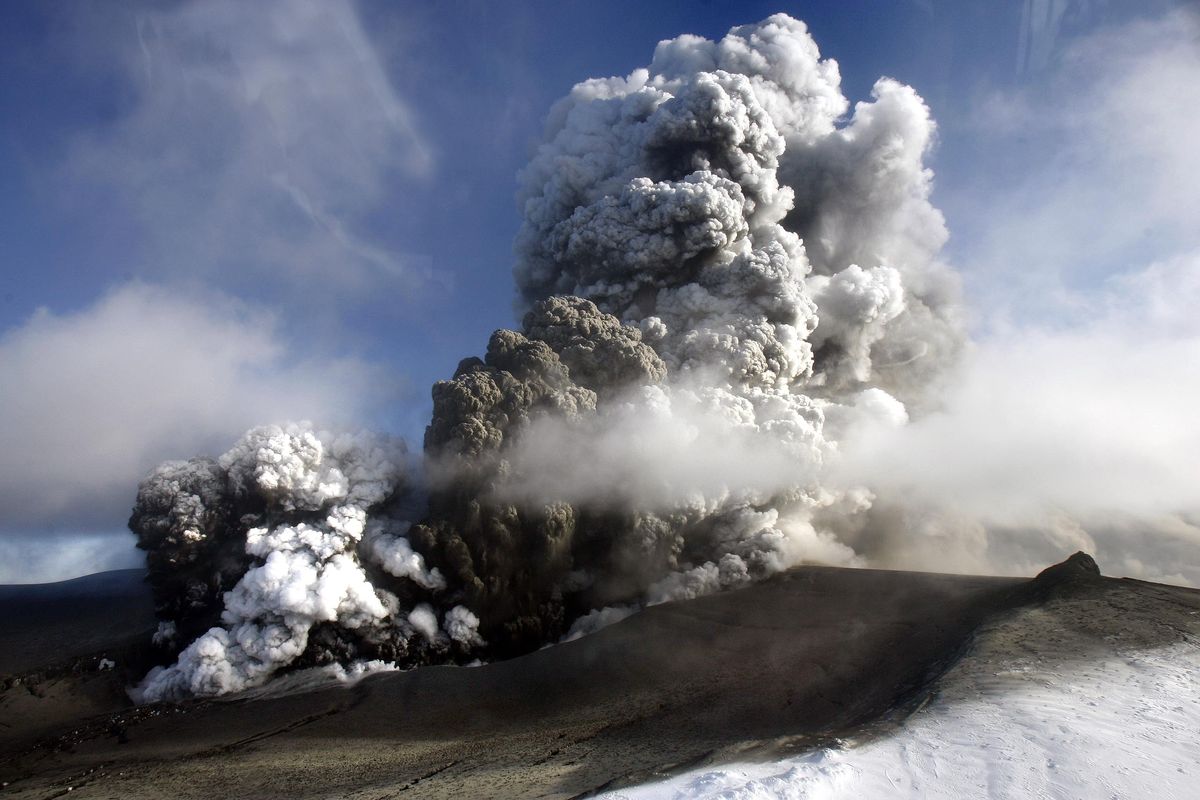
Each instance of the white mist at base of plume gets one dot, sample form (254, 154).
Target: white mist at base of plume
(598, 620)
(313, 679)
(1081, 436)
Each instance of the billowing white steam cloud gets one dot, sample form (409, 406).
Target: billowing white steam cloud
(296, 502)
(721, 275)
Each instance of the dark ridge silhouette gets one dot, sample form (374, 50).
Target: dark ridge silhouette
(47, 623)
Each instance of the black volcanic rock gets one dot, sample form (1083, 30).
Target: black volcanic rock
(1078, 572)
(1079, 566)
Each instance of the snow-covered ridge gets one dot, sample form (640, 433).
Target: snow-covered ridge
(1090, 696)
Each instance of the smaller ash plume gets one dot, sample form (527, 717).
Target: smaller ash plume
(279, 553)
(721, 274)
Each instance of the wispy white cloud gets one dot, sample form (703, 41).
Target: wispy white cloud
(1087, 172)
(93, 399)
(1058, 438)
(1091, 418)
(254, 140)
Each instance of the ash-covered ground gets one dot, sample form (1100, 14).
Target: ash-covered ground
(821, 682)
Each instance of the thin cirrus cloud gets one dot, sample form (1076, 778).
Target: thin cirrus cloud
(255, 143)
(93, 399)
(1085, 173)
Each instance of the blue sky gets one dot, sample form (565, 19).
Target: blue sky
(220, 214)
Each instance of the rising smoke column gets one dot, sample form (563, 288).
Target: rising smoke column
(719, 275)
(779, 258)
(715, 193)
(514, 559)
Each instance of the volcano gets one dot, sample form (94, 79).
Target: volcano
(819, 674)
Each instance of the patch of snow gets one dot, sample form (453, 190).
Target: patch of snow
(1038, 708)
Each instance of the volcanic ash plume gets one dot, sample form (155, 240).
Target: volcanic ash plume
(280, 552)
(720, 274)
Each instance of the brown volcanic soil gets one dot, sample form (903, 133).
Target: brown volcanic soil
(812, 654)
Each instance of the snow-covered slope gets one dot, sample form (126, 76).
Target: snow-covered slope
(1081, 698)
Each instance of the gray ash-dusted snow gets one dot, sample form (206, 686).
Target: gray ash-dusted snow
(719, 274)
(1090, 692)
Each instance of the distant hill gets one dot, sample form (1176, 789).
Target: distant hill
(45, 623)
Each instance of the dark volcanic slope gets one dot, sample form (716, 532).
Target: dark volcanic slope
(815, 653)
(46, 623)
(810, 653)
